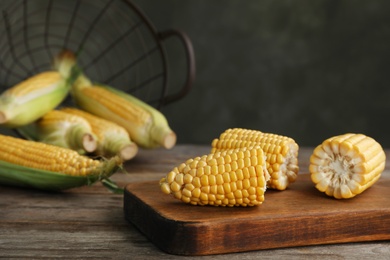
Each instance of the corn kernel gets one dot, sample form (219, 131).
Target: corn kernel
(196, 193)
(239, 185)
(196, 182)
(219, 179)
(238, 194)
(253, 181)
(213, 189)
(220, 196)
(189, 187)
(200, 172)
(220, 190)
(175, 186)
(214, 169)
(204, 197)
(179, 179)
(226, 187)
(187, 178)
(205, 189)
(230, 196)
(186, 193)
(232, 176)
(233, 186)
(226, 177)
(251, 191)
(246, 184)
(165, 188)
(171, 176)
(204, 181)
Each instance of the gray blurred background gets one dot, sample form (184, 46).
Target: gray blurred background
(308, 69)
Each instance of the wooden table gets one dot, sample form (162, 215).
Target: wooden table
(89, 223)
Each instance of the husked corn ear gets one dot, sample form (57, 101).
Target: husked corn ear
(146, 126)
(32, 98)
(29, 100)
(112, 139)
(230, 178)
(281, 153)
(344, 166)
(39, 165)
(62, 129)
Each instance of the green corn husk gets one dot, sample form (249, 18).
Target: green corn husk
(37, 165)
(20, 176)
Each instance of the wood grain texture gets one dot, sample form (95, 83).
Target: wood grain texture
(89, 222)
(298, 216)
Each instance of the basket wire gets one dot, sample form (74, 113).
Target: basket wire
(115, 43)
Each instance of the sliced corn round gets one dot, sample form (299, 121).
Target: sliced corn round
(346, 165)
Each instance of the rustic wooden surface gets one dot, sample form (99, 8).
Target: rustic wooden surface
(298, 216)
(89, 222)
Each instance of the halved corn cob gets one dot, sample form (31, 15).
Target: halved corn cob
(38, 165)
(281, 153)
(35, 96)
(112, 139)
(62, 129)
(346, 165)
(230, 178)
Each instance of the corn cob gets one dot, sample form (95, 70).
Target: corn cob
(33, 164)
(346, 165)
(32, 98)
(62, 129)
(230, 178)
(146, 126)
(281, 153)
(112, 138)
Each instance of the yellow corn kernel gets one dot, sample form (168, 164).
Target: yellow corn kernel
(281, 152)
(221, 188)
(112, 139)
(346, 165)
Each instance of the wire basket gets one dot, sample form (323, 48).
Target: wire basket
(115, 42)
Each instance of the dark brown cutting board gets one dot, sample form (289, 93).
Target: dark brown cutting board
(298, 216)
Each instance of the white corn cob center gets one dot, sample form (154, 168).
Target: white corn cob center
(346, 165)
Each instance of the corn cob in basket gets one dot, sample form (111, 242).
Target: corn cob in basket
(62, 129)
(32, 98)
(147, 126)
(112, 139)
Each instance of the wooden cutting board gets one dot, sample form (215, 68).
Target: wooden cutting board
(298, 216)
